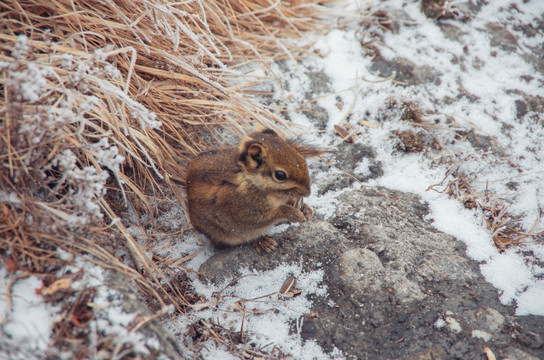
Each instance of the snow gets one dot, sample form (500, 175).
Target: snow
(324, 206)
(27, 324)
(109, 314)
(484, 335)
(268, 314)
(450, 217)
(25, 328)
(530, 301)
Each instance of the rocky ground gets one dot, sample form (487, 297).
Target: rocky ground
(398, 288)
(371, 276)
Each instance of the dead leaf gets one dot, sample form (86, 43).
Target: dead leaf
(344, 134)
(11, 265)
(288, 284)
(371, 124)
(63, 284)
(489, 353)
(411, 142)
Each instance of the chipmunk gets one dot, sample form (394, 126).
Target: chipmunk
(237, 193)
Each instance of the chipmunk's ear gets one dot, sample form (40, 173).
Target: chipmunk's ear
(251, 153)
(261, 129)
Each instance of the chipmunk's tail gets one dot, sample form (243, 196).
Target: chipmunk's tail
(306, 150)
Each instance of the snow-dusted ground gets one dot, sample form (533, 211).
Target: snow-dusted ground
(471, 64)
(27, 323)
(27, 320)
(494, 77)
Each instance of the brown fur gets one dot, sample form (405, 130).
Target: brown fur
(233, 195)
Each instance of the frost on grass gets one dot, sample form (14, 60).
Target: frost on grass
(58, 158)
(81, 187)
(55, 127)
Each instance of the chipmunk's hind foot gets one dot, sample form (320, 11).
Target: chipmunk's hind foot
(265, 243)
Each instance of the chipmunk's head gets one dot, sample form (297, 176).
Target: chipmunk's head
(272, 164)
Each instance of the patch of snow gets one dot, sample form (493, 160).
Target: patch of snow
(439, 323)
(480, 334)
(508, 273)
(28, 323)
(268, 315)
(109, 314)
(531, 301)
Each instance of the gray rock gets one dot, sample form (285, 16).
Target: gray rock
(308, 243)
(361, 270)
(485, 143)
(490, 319)
(319, 83)
(516, 354)
(501, 37)
(393, 225)
(318, 115)
(347, 158)
(406, 71)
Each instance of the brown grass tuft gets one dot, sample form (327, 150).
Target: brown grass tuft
(118, 95)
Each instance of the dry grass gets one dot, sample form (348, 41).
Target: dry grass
(119, 95)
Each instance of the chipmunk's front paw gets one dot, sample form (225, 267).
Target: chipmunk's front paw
(307, 211)
(304, 208)
(297, 216)
(265, 243)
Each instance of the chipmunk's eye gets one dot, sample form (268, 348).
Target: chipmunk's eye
(280, 175)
